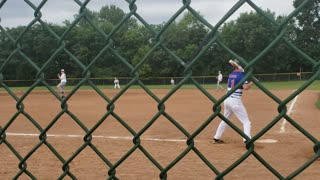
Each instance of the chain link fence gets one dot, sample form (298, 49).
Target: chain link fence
(213, 37)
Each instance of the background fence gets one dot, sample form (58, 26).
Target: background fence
(204, 80)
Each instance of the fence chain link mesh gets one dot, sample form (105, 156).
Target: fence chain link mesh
(213, 37)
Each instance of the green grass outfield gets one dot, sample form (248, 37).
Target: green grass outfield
(318, 102)
(269, 85)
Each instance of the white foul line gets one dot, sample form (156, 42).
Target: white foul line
(283, 124)
(95, 136)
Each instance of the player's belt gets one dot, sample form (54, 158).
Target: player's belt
(233, 96)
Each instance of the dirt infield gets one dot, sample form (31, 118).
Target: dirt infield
(162, 140)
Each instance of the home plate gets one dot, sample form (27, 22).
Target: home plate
(266, 141)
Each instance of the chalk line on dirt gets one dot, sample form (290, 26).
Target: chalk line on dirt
(97, 136)
(284, 122)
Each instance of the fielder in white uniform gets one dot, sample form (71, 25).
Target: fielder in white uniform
(172, 81)
(63, 81)
(116, 83)
(233, 104)
(219, 80)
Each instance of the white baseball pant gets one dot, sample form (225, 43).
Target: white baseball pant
(234, 105)
(61, 85)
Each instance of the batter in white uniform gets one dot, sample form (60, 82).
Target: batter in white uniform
(233, 104)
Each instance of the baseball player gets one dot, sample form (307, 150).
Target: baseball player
(233, 104)
(116, 83)
(63, 81)
(219, 80)
(172, 81)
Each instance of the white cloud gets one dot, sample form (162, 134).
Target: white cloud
(17, 12)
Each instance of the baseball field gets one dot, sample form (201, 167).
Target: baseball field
(283, 147)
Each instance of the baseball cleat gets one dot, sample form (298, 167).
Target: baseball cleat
(217, 141)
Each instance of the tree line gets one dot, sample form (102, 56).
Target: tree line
(247, 36)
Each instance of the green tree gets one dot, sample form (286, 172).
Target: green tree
(182, 37)
(250, 34)
(86, 42)
(145, 69)
(308, 28)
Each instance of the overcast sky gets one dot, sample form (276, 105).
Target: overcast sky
(18, 12)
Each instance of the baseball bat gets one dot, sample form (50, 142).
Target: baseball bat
(235, 64)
